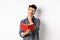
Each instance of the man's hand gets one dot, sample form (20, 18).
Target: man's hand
(30, 19)
(25, 33)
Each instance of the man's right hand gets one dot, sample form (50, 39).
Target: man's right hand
(30, 19)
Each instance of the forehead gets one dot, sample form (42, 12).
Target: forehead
(31, 8)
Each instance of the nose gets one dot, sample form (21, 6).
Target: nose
(31, 11)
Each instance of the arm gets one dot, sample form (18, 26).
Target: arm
(22, 33)
(38, 24)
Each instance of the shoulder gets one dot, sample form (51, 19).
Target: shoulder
(37, 19)
(23, 20)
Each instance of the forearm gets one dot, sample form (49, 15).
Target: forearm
(30, 19)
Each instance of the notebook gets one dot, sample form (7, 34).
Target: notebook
(27, 26)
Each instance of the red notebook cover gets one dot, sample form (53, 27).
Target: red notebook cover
(27, 26)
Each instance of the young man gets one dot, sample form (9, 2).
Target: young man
(28, 35)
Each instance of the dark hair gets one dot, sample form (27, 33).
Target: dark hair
(33, 6)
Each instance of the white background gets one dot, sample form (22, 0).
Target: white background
(12, 11)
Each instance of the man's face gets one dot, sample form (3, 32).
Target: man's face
(31, 11)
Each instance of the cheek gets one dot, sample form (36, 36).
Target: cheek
(33, 12)
(29, 11)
